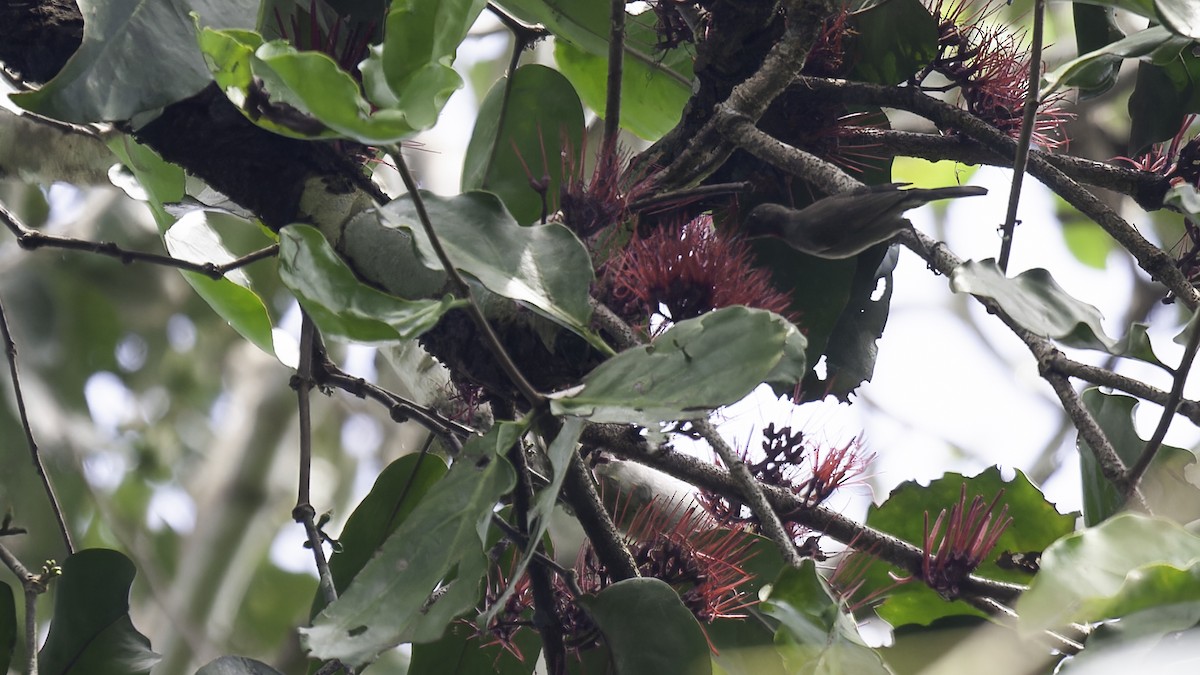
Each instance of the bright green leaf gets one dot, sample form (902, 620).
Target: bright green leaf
(193, 239)
(1095, 29)
(1036, 524)
(1126, 564)
(1081, 71)
(648, 630)
(398, 490)
(137, 55)
(543, 267)
(91, 632)
(237, 665)
(342, 306)
(699, 364)
(1035, 301)
(386, 604)
(524, 123)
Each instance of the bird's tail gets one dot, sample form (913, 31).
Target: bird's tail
(924, 195)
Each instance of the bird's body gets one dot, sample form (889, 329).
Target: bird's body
(846, 224)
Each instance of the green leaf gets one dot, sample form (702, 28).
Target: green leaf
(137, 55)
(1164, 94)
(8, 625)
(655, 84)
(398, 490)
(543, 267)
(192, 238)
(1181, 16)
(439, 547)
(814, 634)
(342, 306)
(1165, 485)
(1126, 564)
(1153, 42)
(411, 71)
(462, 651)
(893, 40)
(560, 453)
(91, 632)
(648, 630)
(1036, 524)
(524, 123)
(1035, 301)
(237, 665)
(1095, 29)
(307, 95)
(699, 364)
(1162, 640)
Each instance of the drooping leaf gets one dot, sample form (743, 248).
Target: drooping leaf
(699, 364)
(892, 41)
(136, 56)
(1181, 16)
(237, 665)
(1095, 29)
(342, 306)
(1087, 70)
(412, 70)
(1164, 93)
(439, 547)
(398, 490)
(814, 634)
(522, 128)
(544, 267)
(561, 450)
(1126, 564)
(1036, 524)
(91, 632)
(655, 84)
(1165, 485)
(1040, 305)
(648, 630)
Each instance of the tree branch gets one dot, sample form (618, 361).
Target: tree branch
(1029, 117)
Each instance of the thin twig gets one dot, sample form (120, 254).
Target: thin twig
(31, 240)
(1027, 121)
(304, 513)
(1107, 378)
(687, 195)
(514, 535)
(501, 355)
(616, 56)
(10, 350)
(751, 492)
(1136, 472)
(33, 585)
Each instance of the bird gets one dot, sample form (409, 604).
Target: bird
(846, 224)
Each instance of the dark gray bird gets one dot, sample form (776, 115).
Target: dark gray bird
(846, 224)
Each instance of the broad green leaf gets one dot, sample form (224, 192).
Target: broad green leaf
(524, 126)
(1035, 301)
(892, 41)
(1181, 16)
(91, 632)
(543, 267)
(815, 635)
(342, 306)
(1095, 29)
(1165, 485)
(654, 84)
(561, 450)
(439, 547)
(136, 56)
(1154, 42)
(647, 629)
(1126, 564)
(1036, 524)
(411, 71)
(462, 651)
(1162, 640)
(398, 490)
(8, 625)
(302, 94)
(237, 665)
(1164, 93)
(192, 238)
(697, 365)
